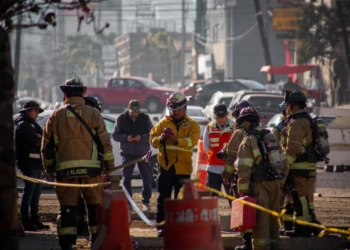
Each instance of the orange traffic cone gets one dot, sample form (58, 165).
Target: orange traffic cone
(201, 166)
(192, 223)
(113, 223)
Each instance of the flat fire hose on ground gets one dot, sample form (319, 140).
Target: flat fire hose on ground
(145, 158)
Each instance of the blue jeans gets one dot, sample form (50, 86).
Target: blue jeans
(145, 173)
(31, 194)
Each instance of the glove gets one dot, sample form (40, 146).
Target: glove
(221, 155)
(168, 131)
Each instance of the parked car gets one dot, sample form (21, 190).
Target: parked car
(195, 112)
(217, 98)
(205, 92)
(191, 89)
(120, 90)
(109, 122)
(239, 95)
(267, 104)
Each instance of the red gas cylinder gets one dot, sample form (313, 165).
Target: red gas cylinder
(192, 223)
(243, 217)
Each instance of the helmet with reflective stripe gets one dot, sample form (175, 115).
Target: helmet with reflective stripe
(73, 86)
(248, 114)
(176, 101)
(294, 96)
(238, 106)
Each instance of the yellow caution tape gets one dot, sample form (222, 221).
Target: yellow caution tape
(24, 177)
(269, 211)
(279, 215)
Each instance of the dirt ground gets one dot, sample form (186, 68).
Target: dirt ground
(330, 211)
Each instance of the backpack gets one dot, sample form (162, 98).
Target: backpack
(270, 153)
(320, 143)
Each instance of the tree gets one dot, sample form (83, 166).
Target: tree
(162, 44)
(317, 29)
(40, 14)
(83, 52)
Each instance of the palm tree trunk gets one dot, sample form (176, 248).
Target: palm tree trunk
(8, 189)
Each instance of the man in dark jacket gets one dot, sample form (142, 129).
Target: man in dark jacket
(27, 141)
(132, 131)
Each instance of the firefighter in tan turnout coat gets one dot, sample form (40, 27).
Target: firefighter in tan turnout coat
(69, 151)
(259, 178)
(296, 141)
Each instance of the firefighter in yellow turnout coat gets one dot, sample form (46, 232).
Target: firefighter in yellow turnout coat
(69, 151)
(174, 136)
(296, 141)
(256, 179)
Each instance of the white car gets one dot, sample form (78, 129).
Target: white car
(217, 98)
(110, 121)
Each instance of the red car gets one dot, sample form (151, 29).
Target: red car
(191, 90)
(120, 90)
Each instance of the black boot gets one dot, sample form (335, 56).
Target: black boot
(299, 231)
(35, 220)
(92, 239)
(66, 247)
(247, 238)
(288, 226)
(28, 224)
(315, 231)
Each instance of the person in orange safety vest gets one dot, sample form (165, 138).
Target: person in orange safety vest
(216, 135)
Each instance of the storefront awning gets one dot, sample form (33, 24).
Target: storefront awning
(285, 70)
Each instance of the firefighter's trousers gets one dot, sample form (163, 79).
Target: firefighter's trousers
(68, 199)
(301, 197)
(266, 232)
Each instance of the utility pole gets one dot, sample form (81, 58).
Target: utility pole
(200, 29)
(227, 42)
(106, 43)
(263, 36)
(17, 51)
(183, 46)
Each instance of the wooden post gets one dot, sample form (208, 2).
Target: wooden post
(115, 182)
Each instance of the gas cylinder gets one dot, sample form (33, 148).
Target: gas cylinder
(273, 153)
(322, 138)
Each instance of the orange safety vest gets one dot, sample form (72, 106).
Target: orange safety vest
(218, 139)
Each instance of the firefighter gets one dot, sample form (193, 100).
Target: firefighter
(69, 152)
(231, 151)
(174, 136)
(216, 136)
(82, 227)
(276, 131)
(255, 179)
(297, 141)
